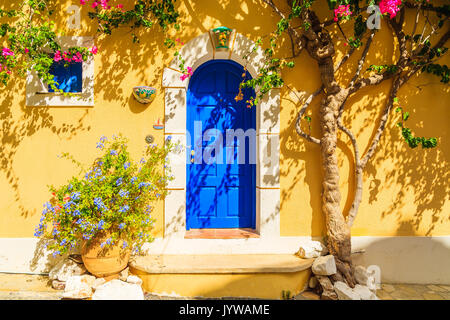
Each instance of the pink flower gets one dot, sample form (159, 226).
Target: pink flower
(66, 57)
(26, 50)
(390, 6)
(7, 52)
(57, 56)
(184, 77)
(83, 2)
(189, 70)
(94, 50)
(78, 57)
(94, 4)
(342, 11)
(104, 4)
(120, 6)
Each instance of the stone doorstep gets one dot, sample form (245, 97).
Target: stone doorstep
(220, 264)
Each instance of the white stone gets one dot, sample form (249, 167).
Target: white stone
(65, 269)
(175, 217)
(344, 292)
(268, 117)
(311, 249)
(79, 287)
(196, 52)
(134, 279)
(361, 275)
(175, 110)
(364, 292)
(98, 282)
(177, 162)
(268, 206)
(324, 266)
(118, 290)
(171, 79)
(268, 175)
(242, 46)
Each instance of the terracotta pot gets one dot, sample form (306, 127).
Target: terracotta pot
(104, 262)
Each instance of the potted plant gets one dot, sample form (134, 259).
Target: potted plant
(107, 211)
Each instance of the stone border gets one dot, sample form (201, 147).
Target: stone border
(196, 52)
(37, 94)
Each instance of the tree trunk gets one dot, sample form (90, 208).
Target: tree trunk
(320, 47)
(338, 232)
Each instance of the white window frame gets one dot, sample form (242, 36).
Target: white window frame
(37, 94)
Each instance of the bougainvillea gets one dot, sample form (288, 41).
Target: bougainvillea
(31, 43)
(342, 11)
(390, 7)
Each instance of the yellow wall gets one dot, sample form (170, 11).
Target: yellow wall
(405, 191)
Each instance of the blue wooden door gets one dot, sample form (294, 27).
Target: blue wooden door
(219, 194)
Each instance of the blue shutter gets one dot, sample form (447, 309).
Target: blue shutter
(70, 79)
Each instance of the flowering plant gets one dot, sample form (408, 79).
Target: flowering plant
(114, 197)
(342, 11)
(30, 40)
(390, 6)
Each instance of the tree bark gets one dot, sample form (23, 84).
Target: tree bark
(320, 47)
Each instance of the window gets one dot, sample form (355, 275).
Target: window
(77, 78)
(70, 78)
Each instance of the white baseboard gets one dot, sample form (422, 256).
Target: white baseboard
(423, 260)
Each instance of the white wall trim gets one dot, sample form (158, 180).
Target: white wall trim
(36, 92)
(196, 52)
(422, 260)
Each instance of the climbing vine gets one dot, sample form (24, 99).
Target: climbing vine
(31, 34)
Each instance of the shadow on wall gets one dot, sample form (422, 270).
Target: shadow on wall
(416, 178)
(407, 259)
(19, 123)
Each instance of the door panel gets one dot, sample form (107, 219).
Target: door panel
(219, 194)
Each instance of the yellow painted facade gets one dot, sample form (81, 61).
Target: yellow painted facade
(406, 192)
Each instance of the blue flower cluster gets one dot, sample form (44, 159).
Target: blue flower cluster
(124, 193)
(126, 165)
(98, 202)
(68, 205)
(75, 196)
(100, 225)
(144, 184)
(119, 181)
(124, 208)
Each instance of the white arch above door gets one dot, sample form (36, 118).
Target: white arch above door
(196, 52)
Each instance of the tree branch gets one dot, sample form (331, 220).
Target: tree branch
(363, 58)
(300, 116)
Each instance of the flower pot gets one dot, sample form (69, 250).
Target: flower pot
(144, 94)
(104, 262)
